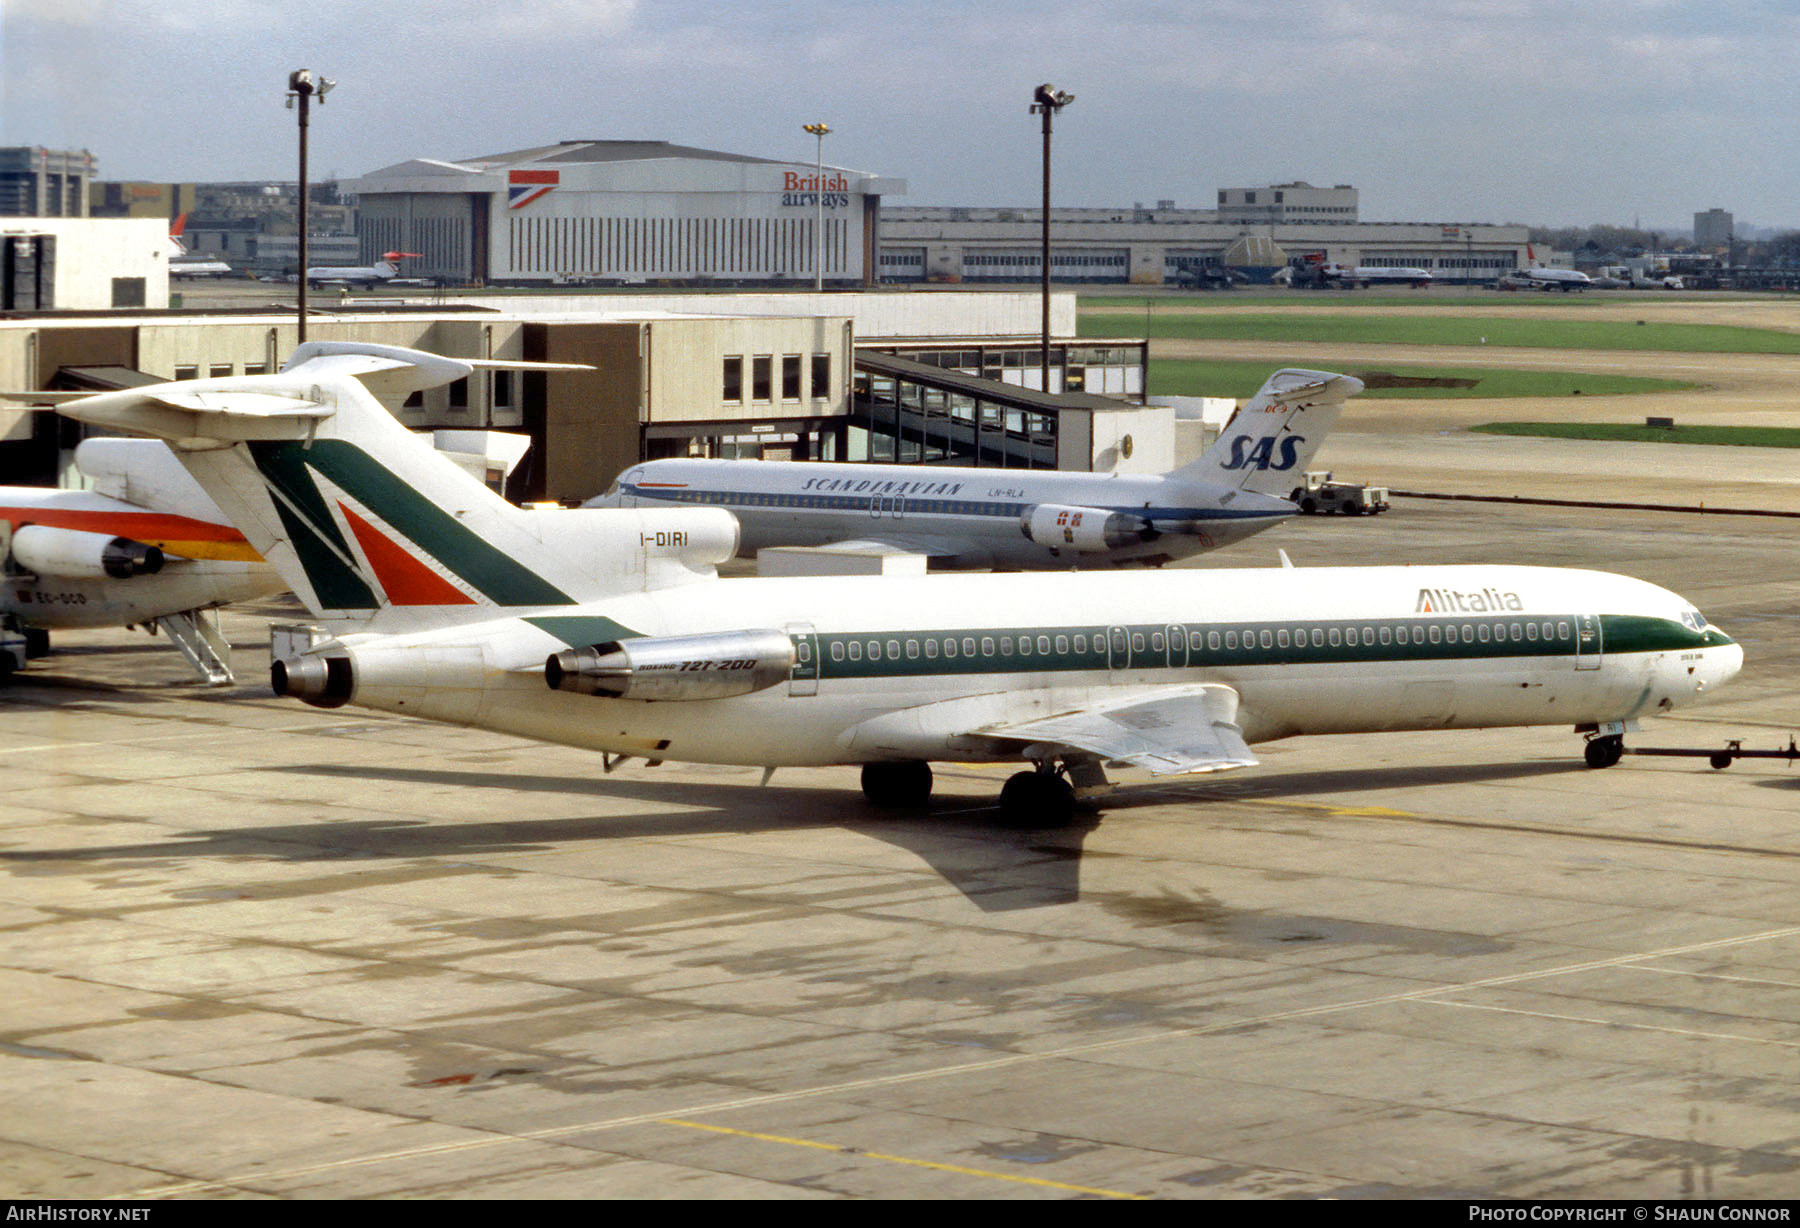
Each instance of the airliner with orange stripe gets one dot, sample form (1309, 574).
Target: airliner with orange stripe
(145, 547)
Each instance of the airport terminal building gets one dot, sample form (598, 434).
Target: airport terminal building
(623, 213)
(1256, 231)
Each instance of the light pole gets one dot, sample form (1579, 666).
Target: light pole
(820, 130)
(1047, 100)
(303, 86)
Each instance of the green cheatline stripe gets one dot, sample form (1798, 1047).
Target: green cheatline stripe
(580, 631)
(491, 572)
(310, 528)
(989, 650)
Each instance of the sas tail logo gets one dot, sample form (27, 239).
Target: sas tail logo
(1264, 454)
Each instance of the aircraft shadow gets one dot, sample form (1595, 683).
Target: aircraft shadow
(998, 867)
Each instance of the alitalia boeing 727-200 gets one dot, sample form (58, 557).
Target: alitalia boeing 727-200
(609, 629)
(1019, 519)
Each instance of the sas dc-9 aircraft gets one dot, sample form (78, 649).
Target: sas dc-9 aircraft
(610, 629)
(1018, 519)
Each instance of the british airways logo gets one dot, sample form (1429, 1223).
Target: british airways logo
(1264, 455)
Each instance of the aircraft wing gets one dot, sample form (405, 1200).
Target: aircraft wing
(1179, 729)
(937, 548)
(1186, 729)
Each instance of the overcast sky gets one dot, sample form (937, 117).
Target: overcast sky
(1533, 111)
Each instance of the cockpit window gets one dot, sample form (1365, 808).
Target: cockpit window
(1693, 620)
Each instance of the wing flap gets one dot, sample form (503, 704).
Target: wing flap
(1183, 729)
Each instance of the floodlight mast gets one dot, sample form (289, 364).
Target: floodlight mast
(820, 130)
(1047, 100)
(303, 85)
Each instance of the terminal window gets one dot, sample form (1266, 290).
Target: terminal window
(760, 370)
(734, 378)
(821, 376)
(790, 377)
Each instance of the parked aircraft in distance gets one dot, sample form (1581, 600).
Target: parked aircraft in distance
(609, 629)
(146, 547)
(183, 263)
(364, 275)
(1364, 276)
(1546, 278)
(1019, 519)
(1314, 271)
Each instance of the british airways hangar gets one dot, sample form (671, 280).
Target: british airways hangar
(624, 213)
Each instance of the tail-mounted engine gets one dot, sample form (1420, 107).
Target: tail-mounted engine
(45, 550)
(1084, 530)
(713, 666)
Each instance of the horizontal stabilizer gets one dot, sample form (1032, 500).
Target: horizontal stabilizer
(392, 370)
(1182, 729)
(202, 414)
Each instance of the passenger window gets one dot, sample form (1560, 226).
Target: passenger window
(1436, 635)
(856, 650)
(931, 650)
(1137, 641)
(1281, 637)
(1318, 638)
(1006, 645)
(1062, 644)
(1212, 641)
(912, 650)
(1156, 641)
(1337, 637)
(837, 652)
(1387, 635)
(893, 650)
(1268, 641)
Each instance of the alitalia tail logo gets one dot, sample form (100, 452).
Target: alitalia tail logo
(400, 552)
(1450, 601)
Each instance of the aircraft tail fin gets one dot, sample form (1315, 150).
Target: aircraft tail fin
(1273, 438)
(373, 528)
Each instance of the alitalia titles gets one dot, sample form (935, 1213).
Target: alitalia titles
(1450, 601)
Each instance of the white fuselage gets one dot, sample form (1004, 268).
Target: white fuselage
(915, 668)
(965, 517)
(50, 601)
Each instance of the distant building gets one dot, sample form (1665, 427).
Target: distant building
(39, 182)
(1166, 245)
(1714, 228)
(622, 213)
(1287, 203)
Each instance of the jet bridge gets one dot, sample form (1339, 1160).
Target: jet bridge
(918, 413)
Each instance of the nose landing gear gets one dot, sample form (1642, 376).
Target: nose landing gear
(1604, 750)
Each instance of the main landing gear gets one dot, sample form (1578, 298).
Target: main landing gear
(897, 786)
(1042, 797)
(1046, 796)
